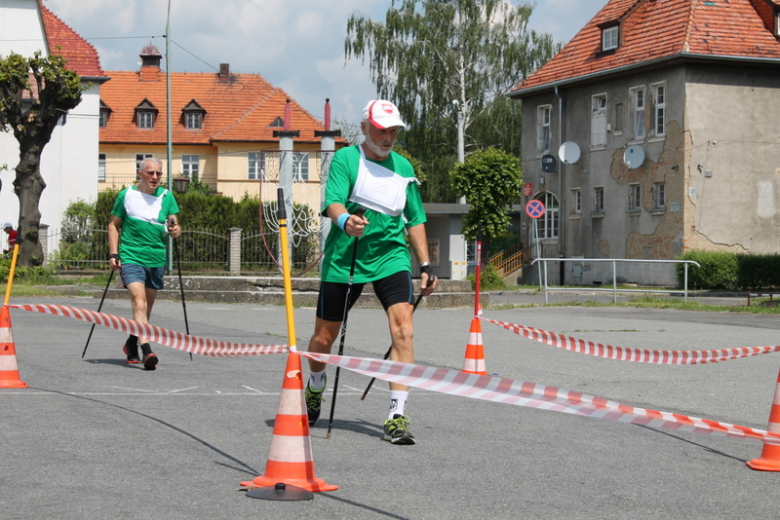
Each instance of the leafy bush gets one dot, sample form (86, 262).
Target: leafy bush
(489, 279)
(33, 275)
(731, 271)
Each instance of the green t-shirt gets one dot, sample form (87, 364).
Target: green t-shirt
(143, 225)
(382, 250)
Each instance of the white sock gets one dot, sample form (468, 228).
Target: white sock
(317, 380)
(397, 402)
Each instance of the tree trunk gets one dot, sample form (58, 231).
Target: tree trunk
(29, 186)
(485, 260)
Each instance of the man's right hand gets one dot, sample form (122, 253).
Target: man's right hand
(356, 224)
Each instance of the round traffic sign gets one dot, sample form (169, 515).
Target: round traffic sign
(534, 208)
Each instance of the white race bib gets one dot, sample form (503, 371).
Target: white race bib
(380, 188)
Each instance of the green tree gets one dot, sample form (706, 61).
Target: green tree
(439, 60)
(51, 90)
(491, 180)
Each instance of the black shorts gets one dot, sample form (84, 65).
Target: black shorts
(396, 288)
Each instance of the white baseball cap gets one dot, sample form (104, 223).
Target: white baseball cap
(383, 114)
(7, 225)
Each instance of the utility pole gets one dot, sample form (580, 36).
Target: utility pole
(168, 110)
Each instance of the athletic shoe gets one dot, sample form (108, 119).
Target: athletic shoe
(396, 431)
(314, 401)
(150, 358)
(131, 351)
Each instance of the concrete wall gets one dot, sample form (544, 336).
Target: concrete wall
(733, 117)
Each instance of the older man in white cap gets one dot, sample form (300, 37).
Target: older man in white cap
(372, 178)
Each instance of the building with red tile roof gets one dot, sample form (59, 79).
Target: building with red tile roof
(654, 131)
(224, 127)
(69, 165)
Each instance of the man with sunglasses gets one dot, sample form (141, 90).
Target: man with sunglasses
(145, 213)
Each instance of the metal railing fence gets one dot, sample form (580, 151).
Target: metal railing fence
(198, 249)
(543, 284)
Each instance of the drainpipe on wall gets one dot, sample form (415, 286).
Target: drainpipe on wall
(560, 182)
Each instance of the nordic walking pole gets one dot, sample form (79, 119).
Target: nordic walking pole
(105, 291)
(181, 284)
(359, 213)
(387, 354)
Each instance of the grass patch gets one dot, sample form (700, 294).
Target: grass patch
(653, 302)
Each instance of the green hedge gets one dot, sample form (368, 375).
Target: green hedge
(731, 271)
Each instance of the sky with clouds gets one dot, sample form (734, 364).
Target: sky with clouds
(297, 45)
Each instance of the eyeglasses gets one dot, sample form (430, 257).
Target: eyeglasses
(159, 174)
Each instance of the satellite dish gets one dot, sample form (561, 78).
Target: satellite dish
(569, 152)
(549, 163)
(634, 156)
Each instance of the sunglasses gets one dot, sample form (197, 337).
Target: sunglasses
(159, 174)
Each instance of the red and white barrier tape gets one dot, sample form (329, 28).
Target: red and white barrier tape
(660, 357)
(169, 338)
(532, 395)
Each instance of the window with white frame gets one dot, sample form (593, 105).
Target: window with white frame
(576, 200)
(598, 200)
(777, 23)
(634, 197)
(193, 120)
(145, 119)
(598, 121)
(659, 109)
(301, 166)
(255, 166)
(140, 158)
(101, 166)
(543, 128)
(609, 38)
(471, 251)
(618, 125)
(659, 195)
(547, 224)
(190, 166)
(637, 95)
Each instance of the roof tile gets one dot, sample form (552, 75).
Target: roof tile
(241, 109)
(64, 41)
(655, 29)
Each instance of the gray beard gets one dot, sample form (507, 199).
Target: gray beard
(375, 148)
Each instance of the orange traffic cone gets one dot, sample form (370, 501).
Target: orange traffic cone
(9, 370)
(290, 457)
(770, 455)
(475, 353)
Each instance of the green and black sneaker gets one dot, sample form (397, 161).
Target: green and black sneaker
(314, 401)
(396, 431)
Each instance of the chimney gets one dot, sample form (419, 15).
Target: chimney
(150, 64)
(224, 72)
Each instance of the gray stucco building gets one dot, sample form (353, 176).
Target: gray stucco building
(656, 130)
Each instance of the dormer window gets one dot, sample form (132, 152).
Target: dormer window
(777, 22)
(610, 38)
(145, 114)
(277, 123)
(105, 114)
(193, 115)
(194, 121)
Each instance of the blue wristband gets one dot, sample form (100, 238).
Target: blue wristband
(342, 220)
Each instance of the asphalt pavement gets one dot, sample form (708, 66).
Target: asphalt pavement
(95, 438)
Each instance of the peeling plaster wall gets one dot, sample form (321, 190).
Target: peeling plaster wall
(733, 116)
